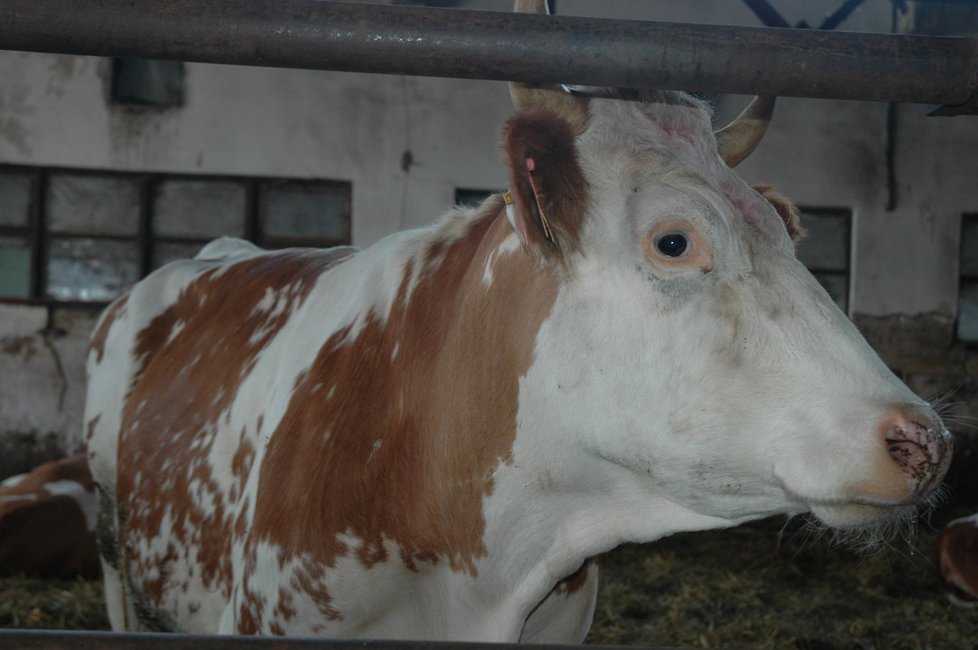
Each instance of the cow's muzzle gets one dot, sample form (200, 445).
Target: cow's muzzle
(921, 447)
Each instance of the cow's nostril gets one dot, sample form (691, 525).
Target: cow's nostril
(906, 452)
(921, 450)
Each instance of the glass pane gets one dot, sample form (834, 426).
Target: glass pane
(968, 311)
(98, 205)
(305, 210)
(837, 284)
(199, 208)
(15, 199)
(15, 268)
(149, 83)
(91, 269)
(969, 245)
(166, 252)
(826, 247)
(471, 198)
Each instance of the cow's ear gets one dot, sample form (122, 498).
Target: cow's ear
(547, 196)
(786, 209)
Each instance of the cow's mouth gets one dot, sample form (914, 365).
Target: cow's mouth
(859, 515)
(867, 527)
(864, 522)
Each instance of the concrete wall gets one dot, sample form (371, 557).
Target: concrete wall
(252, 121)
(42, 383)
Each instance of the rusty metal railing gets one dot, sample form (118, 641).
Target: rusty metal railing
(502, 46)
(69, 640)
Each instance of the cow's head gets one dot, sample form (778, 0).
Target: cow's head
(688, 345)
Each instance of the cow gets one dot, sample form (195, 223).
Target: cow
(47, 521)
(431, 438)
(957, 559)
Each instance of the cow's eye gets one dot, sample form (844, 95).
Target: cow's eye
(672, 244)
(676, 245)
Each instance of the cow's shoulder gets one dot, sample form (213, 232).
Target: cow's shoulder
(226, 247)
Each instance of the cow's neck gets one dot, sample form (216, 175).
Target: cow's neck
(410, 413)
(491, 300)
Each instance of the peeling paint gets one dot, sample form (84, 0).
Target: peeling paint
(14, 106)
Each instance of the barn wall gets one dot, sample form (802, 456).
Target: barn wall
(358, 128)
(42, 383)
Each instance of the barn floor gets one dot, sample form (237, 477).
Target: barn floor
(771, 585)
(765, 585)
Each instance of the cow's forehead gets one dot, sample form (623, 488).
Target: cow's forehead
(659, 128)
(667, 140)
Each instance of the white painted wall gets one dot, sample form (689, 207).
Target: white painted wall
(237, 120)
(264, 121)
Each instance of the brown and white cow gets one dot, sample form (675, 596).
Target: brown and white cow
(957, 558)
(431, 437)
(47, 521)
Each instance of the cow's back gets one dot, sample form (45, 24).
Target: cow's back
(171, 364)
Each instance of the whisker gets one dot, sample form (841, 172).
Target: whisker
(962, 421)
(950, 392)
(878, 537)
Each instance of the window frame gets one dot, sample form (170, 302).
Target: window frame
(964, 278)
(39, 236)
(32, 231)
(807, 214)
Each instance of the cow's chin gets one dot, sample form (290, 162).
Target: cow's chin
(867, 527)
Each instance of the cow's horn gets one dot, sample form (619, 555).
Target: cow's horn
(739, 138)
(554, 99)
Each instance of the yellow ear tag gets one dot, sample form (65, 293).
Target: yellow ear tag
(510, 211)
(519, 225)
(531, 167)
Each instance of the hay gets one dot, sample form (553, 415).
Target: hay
(53, 604)
(768, 585)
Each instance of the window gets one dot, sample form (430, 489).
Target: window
(75, 235)
(469, 198)
(17, 195)
(825, 250)
(968, 284)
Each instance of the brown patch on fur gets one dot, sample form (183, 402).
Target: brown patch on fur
(90, 428)
(552, 197)
(285, 608)
(46, 534)
(785, 209)
(193, 358)
(310, 580)
(73, 468)
(405, 448)
(249, 615)
(241, 464)
(115, 311)
(47, 538)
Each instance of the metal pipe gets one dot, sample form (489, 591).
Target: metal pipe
(70, 640)
(503, 46)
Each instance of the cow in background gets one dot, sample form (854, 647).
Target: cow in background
(430, 438)
(47, 521)
(957, 558)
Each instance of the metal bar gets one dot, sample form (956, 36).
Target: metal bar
(70, 640)
(767, 14)
(502, 46)
(839, 15)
